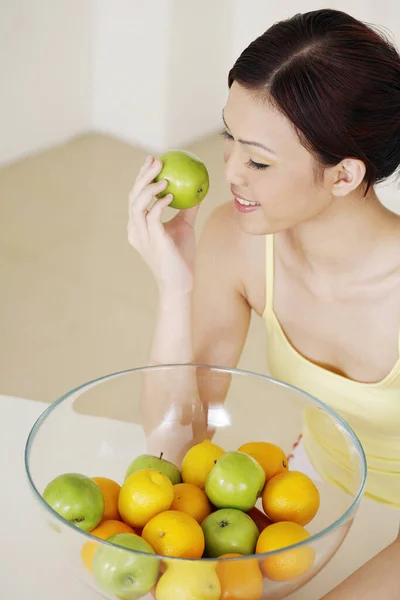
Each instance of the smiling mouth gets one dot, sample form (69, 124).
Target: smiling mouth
(246, 202)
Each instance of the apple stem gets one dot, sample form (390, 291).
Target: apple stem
(161, 455)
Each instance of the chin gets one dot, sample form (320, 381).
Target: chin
(257, 225)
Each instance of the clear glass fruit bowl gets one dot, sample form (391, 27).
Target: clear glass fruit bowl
(98, 429)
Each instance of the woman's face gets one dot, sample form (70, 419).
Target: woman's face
(267, 166)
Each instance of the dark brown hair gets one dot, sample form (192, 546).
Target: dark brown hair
(337, 80)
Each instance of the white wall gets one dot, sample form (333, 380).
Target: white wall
(160, 69)
(200, 40)
(45, 71)
(131, 69)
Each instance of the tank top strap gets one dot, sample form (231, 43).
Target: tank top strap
(269, 280)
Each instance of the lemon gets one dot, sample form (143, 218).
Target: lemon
(143, 495)
(189, 581)
(198, 463)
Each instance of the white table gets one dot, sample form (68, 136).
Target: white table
(29, 569)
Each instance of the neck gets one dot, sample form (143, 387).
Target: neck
(343, 236)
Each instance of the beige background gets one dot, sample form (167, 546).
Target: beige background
(76, 300)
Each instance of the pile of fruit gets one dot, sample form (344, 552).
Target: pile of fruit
(205, 509)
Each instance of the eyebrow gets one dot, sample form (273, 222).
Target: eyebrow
(247, 142)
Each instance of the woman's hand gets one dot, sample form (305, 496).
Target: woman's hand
(167, 248)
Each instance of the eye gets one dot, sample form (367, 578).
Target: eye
(258, 166)
(226, 135)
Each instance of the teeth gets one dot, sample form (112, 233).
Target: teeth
(246, 202)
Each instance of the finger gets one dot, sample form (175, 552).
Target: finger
(144, 178)
(186, 416)
(145, 166)
(154, 215)
(149, 160)
(200, 420)
(138, 206)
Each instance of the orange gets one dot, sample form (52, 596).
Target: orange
(103, 531)
(198, 463)
(143, 495)
(272, 458)
(110, 491)
(289, 564)
(291, 496)
(239, 578)
(174, 533)
(193, 501)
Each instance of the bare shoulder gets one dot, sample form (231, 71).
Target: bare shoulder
(240, 255)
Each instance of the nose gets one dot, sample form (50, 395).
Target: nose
(234, 169)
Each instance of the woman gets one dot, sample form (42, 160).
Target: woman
(312, 124)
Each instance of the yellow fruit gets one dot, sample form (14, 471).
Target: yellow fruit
(198, 463)
(291, 496)
(189, 581)
(143, 495)
(111, 490)
(103, 531)
(193, 501)
(289, 564)
(174, 533)
(272, 458)
(239, 579)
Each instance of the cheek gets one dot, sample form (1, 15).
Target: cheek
(227, 155)
(285, 183)
(277, 191)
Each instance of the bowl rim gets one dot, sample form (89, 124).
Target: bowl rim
(347, 515)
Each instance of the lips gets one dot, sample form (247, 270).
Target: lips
(243, 204)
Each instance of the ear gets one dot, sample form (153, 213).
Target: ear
(348, 176)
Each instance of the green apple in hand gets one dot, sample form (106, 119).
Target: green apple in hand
(76, 498)
(147, 461)
(187, 177)
(228, 531)
(126, 575)
(236, 481)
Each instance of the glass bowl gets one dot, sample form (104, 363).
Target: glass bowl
(98, 428)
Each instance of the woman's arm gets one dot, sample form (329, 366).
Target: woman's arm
(207, 326)
(209, 323)
(202, 314)
(378, 579)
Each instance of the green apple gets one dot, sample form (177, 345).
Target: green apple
(147, 461)
(127, 575)
(187, 177)
(76, 498)
(236, 481)
(228, 531)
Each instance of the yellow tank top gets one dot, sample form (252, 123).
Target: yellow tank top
(371, 409)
